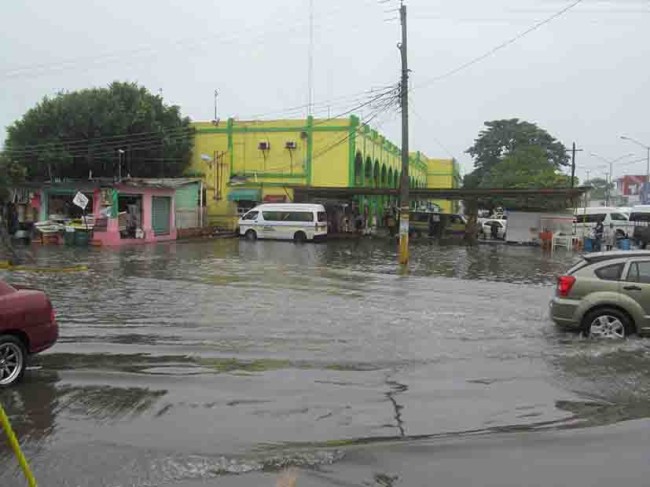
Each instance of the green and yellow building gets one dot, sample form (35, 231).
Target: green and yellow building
(244, 163)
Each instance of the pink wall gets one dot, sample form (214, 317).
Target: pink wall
(112, 234)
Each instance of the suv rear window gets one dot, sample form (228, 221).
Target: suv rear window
(610, 272)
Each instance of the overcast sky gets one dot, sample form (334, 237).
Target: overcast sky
(583, 77)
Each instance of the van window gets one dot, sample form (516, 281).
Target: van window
(322, 216)
(251, 215)
(288, 216)
(618, 217)
(593, 218)
(640, 217)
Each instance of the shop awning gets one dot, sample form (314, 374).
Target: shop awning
(244, 194)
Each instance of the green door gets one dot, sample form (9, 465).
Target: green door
(161, 214)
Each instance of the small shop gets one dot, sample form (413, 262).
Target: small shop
(131, 211)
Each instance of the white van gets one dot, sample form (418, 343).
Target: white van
(586, 219)
(287, 221)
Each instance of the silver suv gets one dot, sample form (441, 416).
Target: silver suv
(606, 294)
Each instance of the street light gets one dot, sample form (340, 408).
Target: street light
(647, 148)
(611, 169)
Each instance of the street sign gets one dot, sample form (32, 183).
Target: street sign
(80, 200)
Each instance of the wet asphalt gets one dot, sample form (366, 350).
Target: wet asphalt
(221, 362)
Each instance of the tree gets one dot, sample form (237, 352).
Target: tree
(516, 154)
(12, 174)
(82, 133)
(503, 138)
(525, 167)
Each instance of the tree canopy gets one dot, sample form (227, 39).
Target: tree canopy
(517, 154)
(503, 138)
(91, 131)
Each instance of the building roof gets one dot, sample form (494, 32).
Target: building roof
(90, 184)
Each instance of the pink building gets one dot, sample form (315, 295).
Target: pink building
(132, 211)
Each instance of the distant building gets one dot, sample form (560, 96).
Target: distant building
(633, 188)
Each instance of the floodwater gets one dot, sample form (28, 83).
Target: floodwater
(221, 362)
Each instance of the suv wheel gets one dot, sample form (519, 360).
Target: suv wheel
(607, 323)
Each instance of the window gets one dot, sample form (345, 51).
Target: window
(288, 216)
(322, 216)
(618, 217)
(640, 217)
(593, 218)
(639, 272)
(251, 215)
(610, 272)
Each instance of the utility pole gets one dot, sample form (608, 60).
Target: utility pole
(310, 67)
(216, 94)
(573, 163)
(404, 184)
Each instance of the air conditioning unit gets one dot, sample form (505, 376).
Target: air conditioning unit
(291, 145)
(264, 145)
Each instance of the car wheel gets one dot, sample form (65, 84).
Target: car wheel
(607, 323)
(251, 235)
(300, 237)
(13, 360)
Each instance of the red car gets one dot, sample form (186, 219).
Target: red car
(27, 326)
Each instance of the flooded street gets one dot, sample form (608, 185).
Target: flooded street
(184, 364)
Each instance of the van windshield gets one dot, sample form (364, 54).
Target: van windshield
(322, 216)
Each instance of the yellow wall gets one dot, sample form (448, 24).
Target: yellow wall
(333, 144)
(443, 173)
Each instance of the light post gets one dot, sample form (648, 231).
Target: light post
(647, 170)
(611, 170)
(120, 155)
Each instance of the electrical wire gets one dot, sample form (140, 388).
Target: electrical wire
(503, 45)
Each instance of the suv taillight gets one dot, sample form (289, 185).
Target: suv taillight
(564, 285)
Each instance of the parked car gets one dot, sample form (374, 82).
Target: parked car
(434, 224)
(606, 294)
(27, 326)
(499, 225)
(640, 219)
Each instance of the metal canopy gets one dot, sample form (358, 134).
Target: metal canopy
(441, 193)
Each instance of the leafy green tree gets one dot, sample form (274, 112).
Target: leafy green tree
(92, 131)
(526, 167)
(504, 138)
(12, 173)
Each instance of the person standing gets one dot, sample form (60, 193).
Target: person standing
(610, 237)
(598, 234)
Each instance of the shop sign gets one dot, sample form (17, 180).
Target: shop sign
(80, 200)
(275, 198)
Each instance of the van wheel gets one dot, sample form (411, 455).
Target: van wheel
(607, 323)
(13, 360)
(251, 235)
(300, 237)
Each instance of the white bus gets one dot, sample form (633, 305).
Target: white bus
(288, 221)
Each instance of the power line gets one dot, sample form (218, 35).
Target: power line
(497, 48)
